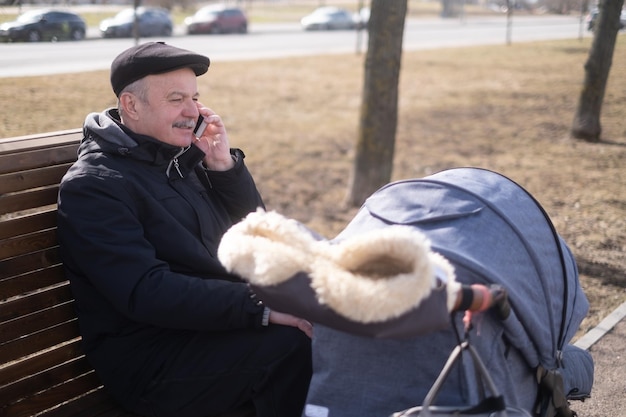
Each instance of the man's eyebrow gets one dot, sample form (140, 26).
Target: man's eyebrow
(183, 94)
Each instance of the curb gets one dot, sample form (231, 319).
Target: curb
(605, 326)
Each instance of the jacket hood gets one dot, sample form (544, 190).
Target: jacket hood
(104, 132)
(108, 128)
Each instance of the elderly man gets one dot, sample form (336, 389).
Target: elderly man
(141, 213)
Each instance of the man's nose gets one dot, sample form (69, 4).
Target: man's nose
(191, 109)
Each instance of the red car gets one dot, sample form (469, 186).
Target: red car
(216, 19)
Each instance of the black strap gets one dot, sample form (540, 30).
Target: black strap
(467, 297)
(551, 399)
(487, 405)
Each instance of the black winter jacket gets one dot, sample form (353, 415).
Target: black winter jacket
(139, 225)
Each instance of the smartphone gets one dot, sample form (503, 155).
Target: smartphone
(200, 126)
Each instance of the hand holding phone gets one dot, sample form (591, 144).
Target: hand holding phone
(214, 142)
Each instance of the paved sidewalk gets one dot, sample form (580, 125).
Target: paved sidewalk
(607, 344)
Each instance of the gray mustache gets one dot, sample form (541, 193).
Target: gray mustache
(189, 124)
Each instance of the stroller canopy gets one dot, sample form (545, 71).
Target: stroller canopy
(493, 232)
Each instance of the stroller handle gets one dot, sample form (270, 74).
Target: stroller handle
(480, 297)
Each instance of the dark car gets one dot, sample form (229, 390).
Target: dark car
(152, 21)
(44, 25)
(216, 19)
(592, 18)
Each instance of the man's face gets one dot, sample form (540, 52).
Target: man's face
(171, 110)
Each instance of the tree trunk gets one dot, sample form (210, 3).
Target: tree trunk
(586, 124)
(136, 5)
(379, 106)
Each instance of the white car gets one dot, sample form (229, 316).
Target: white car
(328, 18)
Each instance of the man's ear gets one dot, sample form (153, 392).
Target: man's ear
(128, 104)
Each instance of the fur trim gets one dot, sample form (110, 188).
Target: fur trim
(266, 248)
(373, 277)
(377, 275)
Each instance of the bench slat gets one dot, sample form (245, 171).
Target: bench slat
(50, 398)
(48, 260)
(31, 281)
(57, 375)
(26, 180)
(36, 342)
(49, 156)
(40, 141)
(40, 362)
(32, 242)
(11, 203)
(43, 219)
(32, 303)
(36, 322)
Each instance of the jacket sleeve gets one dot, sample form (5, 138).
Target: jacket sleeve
(112, 263)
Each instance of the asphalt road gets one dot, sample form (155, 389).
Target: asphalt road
(271, 41)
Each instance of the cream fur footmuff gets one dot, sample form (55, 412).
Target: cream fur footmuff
(266, 248)
(380, 274)
(372, 277)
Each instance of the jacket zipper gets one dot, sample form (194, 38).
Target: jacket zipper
(175, 163)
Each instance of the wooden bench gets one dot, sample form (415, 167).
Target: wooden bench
(42, 369)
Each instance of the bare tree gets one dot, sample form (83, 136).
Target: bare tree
(379, 106)
(509, 20)
(136, 5)
(586, 123)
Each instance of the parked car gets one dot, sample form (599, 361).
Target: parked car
(217, 19)
(329, 18)
(152, 21)
(44, 24)
(592, 18)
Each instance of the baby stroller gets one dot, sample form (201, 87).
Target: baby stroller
(375, 353)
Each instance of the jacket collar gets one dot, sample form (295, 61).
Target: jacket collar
(104, 132)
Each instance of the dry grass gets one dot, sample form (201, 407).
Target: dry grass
(504, 108)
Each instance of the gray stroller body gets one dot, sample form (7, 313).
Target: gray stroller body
(493, 232)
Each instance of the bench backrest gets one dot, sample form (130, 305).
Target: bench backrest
(42, 369)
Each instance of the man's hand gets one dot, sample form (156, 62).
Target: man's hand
(289, 320)
(214, 142)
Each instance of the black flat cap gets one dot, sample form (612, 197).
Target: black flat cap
(153, 58)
